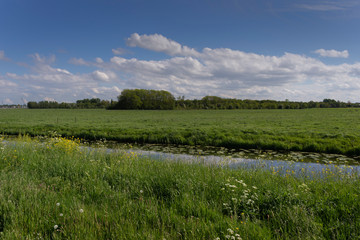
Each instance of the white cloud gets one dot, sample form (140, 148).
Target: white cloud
(97, 75)
(222, 72)
(333, 53)
(233, 73)
(47, 82)
(105, 90)
(59, 70)
(2, 56)
(328, 5)
(49, 99)
(119, 51)
(42, 59)
(79, 61)
(5, 83)
(7, 101)
(321, 7)
(159, 43)
(99, 60)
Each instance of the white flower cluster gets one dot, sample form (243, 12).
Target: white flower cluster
(304, 187)
(232, 235)
(239, 194)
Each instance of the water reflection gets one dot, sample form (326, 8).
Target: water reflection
(298, 166)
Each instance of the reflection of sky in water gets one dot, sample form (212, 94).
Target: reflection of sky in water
(278, 166)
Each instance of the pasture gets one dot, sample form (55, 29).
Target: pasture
(311, 130)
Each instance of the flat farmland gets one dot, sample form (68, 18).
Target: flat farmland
(313, 130)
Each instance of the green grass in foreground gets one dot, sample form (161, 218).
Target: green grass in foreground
(59, 191)
(311, 130)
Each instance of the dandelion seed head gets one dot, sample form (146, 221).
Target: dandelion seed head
(58, 204)
(56, 227)
(81, 210)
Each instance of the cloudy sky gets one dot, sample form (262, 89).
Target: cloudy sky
(65, 50)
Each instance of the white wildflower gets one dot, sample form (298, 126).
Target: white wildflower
(56, 227)
(230, 231)
(58, 204)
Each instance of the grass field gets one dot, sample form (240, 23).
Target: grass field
(56, 190)
(313, 130)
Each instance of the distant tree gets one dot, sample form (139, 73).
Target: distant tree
(145, 99)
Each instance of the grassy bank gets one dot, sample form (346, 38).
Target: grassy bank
(311, 130)
(59, 191)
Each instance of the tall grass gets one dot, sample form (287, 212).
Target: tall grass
(57, 190)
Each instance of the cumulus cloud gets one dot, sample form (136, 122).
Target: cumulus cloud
(333, 53)
(159, 43)
(48, 82)
(101, 76)
(233, 73)
(222, 72)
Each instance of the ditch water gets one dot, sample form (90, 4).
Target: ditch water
(296, 163)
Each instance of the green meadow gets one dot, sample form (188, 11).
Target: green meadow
(58, 190)
(311, 130)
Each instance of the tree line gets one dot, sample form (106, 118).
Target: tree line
(79, 104)
(163, 100)
(214, 102)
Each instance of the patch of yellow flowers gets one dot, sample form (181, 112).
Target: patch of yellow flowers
(67, 145)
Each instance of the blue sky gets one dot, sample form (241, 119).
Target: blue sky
(247, 49)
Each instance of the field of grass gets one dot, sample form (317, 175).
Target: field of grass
(312, 130)
(56, 190)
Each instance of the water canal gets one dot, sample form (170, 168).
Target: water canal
(295, 163)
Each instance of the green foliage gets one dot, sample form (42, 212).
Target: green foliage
(145, 99)
(56, 190)
(80, 104)
(162, 100)
(214, 102)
